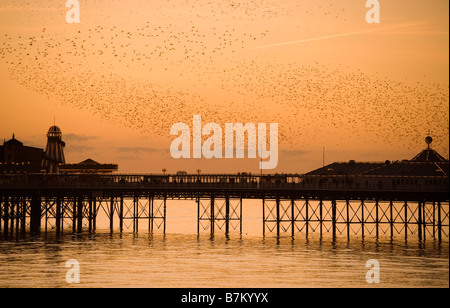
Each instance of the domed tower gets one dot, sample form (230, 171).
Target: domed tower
(429, 140)
(54, 152)
(428, 155)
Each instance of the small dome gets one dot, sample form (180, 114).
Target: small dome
(54, 132)
(54, 129)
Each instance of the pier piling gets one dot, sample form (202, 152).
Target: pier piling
(35, 215)
(286, 209)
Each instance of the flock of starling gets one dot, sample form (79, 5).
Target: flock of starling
(194, 57)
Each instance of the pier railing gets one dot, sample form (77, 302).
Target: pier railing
(290, 202)
(227, 181)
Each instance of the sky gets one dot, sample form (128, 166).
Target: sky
(116, 82)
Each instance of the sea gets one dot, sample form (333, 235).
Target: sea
(181, 257)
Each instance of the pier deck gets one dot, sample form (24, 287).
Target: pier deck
(290, 203)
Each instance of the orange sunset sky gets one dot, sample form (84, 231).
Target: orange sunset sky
(117, 81)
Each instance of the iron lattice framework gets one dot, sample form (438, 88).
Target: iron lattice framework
(219, 214)
(60, 203)
(357, 217)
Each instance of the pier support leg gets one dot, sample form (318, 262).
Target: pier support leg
(347, 204)
(165, 212)
(264, 216)
(5, 215)
(198, 215)
(424, 220)
(1, 212)
(91, 217)
(419, 220)
(406, 220)
(12, 213)
(58, 215)
(19, 214)
(439, 223)
(94, 209)
(47, 206)
(111, 215)
(63, 210)
(74, 215)
(307, 216)
(278, 216)
(377, 219)
(391, 205)
(80, 214)
(240, 216)
(135, 214)
(434, 220)
(321, 217)
(150, 213)
(157, 211)
(121, 214)
(212, 218)
(35, 217)
(362, 219)
(292, 217)
(2, 205)
(227, 215)
(333, 218)
(23, 214)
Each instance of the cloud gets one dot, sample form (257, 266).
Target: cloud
(79, 148)
(77, 138)
(31, 143)
(293, 153)
(137, 150)
(134, 153)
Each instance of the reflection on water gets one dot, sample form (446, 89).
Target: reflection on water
(188, 260)
(181, 258)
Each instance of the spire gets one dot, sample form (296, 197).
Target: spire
(13, 136)
(428, 155)
(429, 139)
(54, 152)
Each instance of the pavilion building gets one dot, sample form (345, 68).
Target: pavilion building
(426, 171)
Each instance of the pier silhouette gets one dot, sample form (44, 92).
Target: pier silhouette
(290, 203)
(409, 197)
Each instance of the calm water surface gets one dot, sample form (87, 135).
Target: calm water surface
(181, 258)
(178, 260)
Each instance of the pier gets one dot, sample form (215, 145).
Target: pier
(291, 204)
